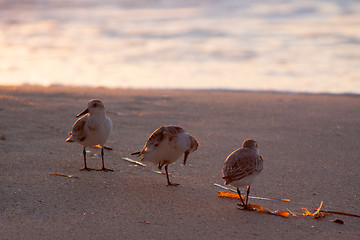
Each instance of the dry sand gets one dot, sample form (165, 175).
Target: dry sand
(310, 145)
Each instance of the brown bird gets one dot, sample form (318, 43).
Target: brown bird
(166, 145)
(92, 129)
(242, 167)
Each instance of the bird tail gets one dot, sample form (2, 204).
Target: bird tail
(227, 180)
(70, 139)
(136, 153)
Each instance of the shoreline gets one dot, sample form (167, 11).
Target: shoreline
(351, 94)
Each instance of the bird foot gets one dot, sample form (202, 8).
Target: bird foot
(173, 184)
(105, 170)
(87, 169)
(107, 148)
(246, 207)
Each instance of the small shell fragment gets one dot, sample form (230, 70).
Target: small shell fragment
(63, 175)
(338, 220)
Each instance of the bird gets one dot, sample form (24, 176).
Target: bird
(166, 145)
(92, 129)
(242, 167)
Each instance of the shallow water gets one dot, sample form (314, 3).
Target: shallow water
(297, 46)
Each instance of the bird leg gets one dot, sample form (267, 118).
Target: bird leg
(247, 195)
(161, 165)
(167, 177)
(242, 201)
(103, 165)
(186, 156)
(85, 167)
(245, 205)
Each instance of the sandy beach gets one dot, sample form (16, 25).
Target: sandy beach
(310, 145)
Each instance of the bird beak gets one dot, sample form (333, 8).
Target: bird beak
(83, 112)
(185, 156)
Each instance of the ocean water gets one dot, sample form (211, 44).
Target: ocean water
(260, 45)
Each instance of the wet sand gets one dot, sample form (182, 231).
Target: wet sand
(310, 145)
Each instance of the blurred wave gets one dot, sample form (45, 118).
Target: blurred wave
(274, 45)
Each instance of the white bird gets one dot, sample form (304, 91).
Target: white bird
(242, 166)
(166, 145)
(92, 129)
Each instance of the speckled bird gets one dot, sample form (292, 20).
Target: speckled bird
(92, 129)
(166, 145)
(242, 167)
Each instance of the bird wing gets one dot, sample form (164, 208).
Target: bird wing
(153, 141)
(173, 130)
(158, 135)
(78, 132)
(242, 163)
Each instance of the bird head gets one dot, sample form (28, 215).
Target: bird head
(93, 106)
(252, 144)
